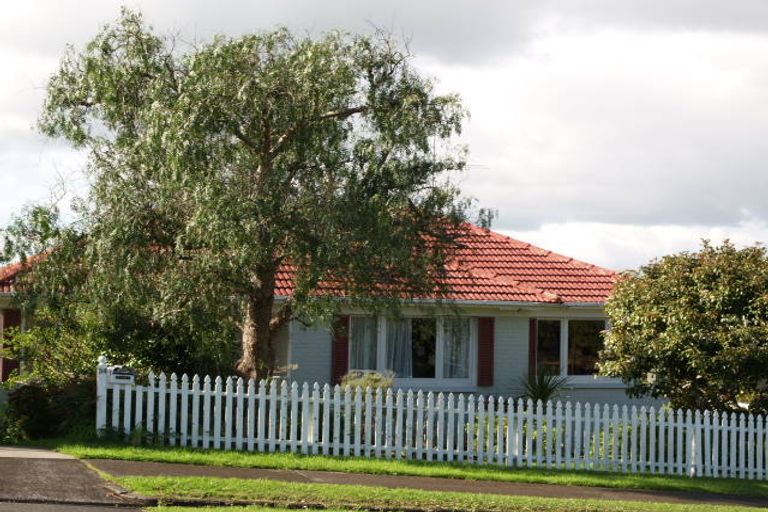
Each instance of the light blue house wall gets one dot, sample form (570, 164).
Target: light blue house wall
(307, 353)
(510, 355)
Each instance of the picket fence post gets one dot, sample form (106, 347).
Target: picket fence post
(326, 445)
(399, 424)
(101, 395)
(251, 419)
(172, 428)
(195, 409)
(184, 417)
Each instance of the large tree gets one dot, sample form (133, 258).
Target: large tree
(219, 170)
(81, 312)
(693, 327)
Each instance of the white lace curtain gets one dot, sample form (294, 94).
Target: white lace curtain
(456, 348)
(362, 343)
(399, 355)
(399, 349)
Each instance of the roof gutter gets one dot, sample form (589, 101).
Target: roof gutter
(495, 304)
(510, 304)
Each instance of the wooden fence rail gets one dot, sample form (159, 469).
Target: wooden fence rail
(277, 416)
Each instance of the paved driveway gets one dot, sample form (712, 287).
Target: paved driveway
(46, 481)
(47, 507)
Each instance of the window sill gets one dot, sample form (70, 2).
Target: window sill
(588, 382)
(444, 385)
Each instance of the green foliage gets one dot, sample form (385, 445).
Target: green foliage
(366, 379)
(214, 167)
(77, 317)
(543, 385)
(38, 410)
(693, 327)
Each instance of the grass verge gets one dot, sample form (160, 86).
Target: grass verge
(412, 468)
(353, 497)
(255, 508)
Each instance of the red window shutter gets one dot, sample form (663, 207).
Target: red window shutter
(533, 337)
(11, 319)
(485, 349)
(340, 348)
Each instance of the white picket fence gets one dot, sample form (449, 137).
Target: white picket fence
(281, 417)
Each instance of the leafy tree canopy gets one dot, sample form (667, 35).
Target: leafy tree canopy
(216, 168)
(77, 317)
(693, 327)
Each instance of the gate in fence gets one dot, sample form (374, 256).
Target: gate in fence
(278, 416)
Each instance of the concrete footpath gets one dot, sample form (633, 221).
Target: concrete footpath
(128, 468)
(43, 480)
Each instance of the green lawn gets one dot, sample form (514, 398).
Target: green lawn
(352, 497)
(253, 508)
(373, 466)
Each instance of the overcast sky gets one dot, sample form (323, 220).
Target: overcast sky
(613, 131)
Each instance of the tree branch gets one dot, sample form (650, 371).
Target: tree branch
(281, 318)
(346, 112)
(245, 139)
(339, 114)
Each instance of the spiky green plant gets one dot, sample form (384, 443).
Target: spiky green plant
(542, 385)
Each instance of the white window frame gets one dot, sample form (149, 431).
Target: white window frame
(575, 379)
(438, 382)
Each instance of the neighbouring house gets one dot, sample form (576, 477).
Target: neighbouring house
(513, 309)
(10, 315)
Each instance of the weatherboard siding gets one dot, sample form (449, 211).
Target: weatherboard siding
(511, 355)
(614, 395)
(310, 353)
(280, 342)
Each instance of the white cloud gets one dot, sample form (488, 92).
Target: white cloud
(627, 246)
(622, 127)
(611, 131)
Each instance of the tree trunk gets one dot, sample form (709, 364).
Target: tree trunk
(257, 359)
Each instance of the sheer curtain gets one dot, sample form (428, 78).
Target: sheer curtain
(456, 348)
(362, 343)
(399, 350)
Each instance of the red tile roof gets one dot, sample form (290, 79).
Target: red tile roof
(8, 275)
(487, 267)
(492, 267)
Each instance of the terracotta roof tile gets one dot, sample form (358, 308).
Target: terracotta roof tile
(487, 266)
(8, 275)
(492, 267)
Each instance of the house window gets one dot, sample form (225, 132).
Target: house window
(584, 343)
(569, 347)
(457, 339)
(399, 351)
(423, 347)
(363, 343)
(414, 348)
(548, 346)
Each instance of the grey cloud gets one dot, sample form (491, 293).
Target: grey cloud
(451, 31)
(714, 15)
(609, 151)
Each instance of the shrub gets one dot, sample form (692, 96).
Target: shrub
(692, 327)
(368, 379)
(39, 410)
